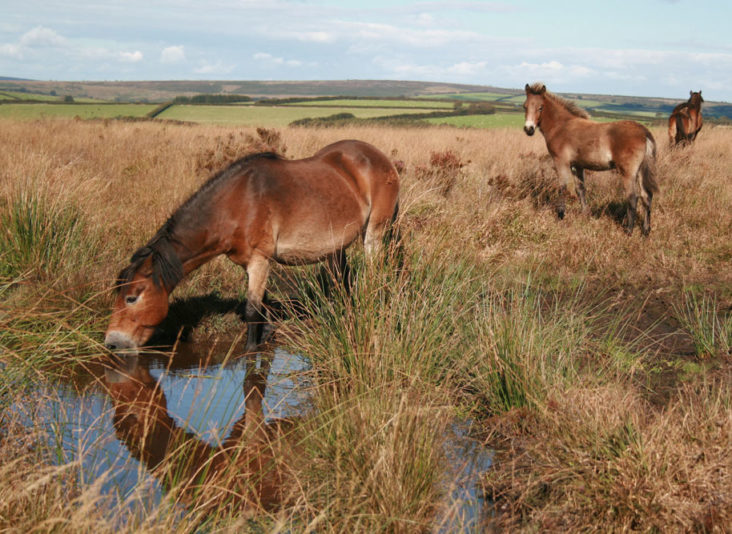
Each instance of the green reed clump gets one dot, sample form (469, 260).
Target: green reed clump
(710, 331)
(525, 343)
(40, 236)
(46, 328)
(396, 324)
(383, 357)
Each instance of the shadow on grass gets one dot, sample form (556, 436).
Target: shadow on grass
(615, 210)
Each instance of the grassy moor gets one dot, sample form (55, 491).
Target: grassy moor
(595, 367)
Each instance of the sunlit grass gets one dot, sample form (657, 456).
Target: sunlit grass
(580, 354)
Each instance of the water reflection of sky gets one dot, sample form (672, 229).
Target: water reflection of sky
(204, 400)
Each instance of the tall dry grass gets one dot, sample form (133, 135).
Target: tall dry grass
(594, 362)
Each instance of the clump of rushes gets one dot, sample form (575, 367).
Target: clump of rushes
(40, 237)
(710, 331)
(382, 359)
(396, 324)
(525, 343)
(51, 328)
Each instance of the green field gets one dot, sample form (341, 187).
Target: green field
(371, 103)
(18, 95)
(84, 111)
(267, 115)
(481, 97)
(496, 120)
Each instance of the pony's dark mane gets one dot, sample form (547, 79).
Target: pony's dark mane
(681, 106)
(222, 176)
(537, 89)
(167, 267)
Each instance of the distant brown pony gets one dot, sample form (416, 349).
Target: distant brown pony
(686, 120)
(576, 143)
(261, 208)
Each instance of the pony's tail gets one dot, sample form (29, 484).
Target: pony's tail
(672, 129)
(680, 132)
(648, 166)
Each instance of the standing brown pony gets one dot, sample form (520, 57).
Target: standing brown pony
(686, 120)
(576, 143)
(261, 208)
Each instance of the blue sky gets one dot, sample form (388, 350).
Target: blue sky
(642, 47)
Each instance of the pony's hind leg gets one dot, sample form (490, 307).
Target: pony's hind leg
(646, 228)
(335, 268)
(580, 187)
(632, 208)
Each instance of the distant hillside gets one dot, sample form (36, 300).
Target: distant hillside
(166, 91)
(162, 91)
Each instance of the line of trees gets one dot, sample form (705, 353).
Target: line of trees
(211, 99)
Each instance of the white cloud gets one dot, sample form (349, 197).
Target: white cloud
(42, 37)
(316, 37)
(466, 68)
(11, 51)
(131, 57)
(269, 58)
(218, 67)
(173, 54)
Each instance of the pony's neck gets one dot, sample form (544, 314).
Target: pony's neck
(553, 115)
(195, 247)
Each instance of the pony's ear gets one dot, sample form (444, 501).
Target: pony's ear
(543, 90)
(527, 88)
(691, 92)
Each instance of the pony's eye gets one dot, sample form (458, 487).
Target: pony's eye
(130, 299)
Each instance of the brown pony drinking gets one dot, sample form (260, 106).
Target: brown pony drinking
(259, 209)
(686, 120)
(576, 143)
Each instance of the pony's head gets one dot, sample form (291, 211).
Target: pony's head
(142, 295)
(533, 106)
(695, 99)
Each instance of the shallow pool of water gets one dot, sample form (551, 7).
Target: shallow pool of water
(205, 403)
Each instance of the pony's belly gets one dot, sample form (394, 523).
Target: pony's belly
(312, 248)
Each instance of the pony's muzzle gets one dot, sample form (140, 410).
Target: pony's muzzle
(529, 130)
(115, 341)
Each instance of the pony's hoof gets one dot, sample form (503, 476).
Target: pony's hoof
(560, 213)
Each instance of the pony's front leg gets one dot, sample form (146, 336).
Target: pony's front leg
(564, 173)
(257, 272)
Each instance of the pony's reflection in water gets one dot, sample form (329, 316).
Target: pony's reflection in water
(248, 472)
